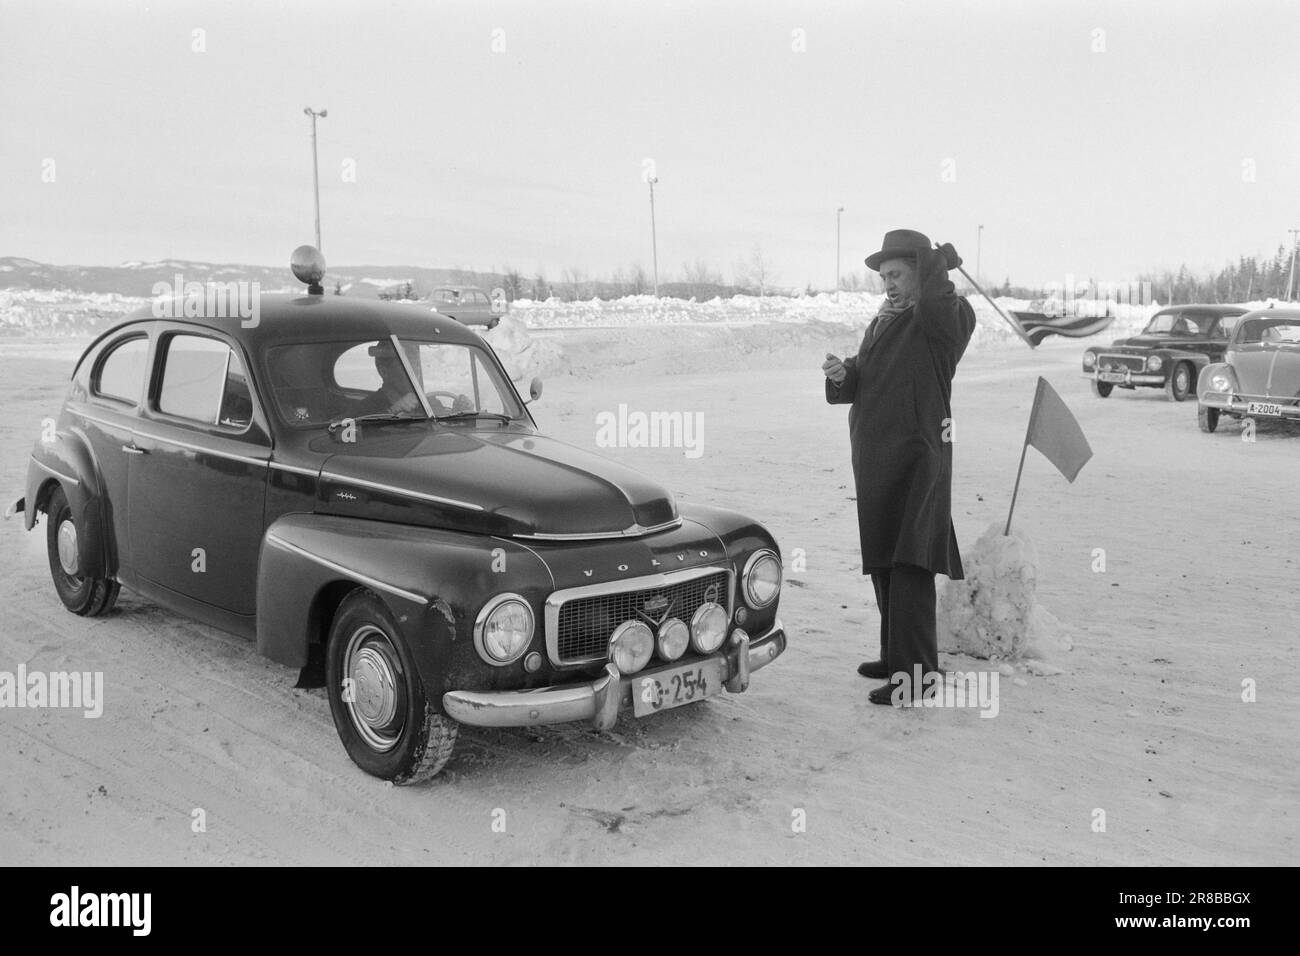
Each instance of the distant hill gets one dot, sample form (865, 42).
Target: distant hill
(137, 279)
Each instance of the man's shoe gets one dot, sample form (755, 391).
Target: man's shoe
(882, 695)
(876, 670)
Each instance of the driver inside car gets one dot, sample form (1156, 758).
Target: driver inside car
(395, 395)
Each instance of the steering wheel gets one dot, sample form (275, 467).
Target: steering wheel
(453, 399)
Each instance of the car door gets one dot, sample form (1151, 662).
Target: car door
(197, 483)
(105, 405)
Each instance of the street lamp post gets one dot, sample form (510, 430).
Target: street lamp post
(1290, 282)
(654, 241)
(979, 248)
(315, 171)
(838, 213)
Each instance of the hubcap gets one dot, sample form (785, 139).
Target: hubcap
(377, 699)
(68, 547)
(1181, 380)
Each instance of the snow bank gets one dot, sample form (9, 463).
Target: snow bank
(523, 354)
(994, 613)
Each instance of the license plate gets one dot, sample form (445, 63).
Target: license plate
(1110, 376)
(673, 688)
(1263, 408)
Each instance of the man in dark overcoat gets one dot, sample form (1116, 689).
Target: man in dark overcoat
(899, 387)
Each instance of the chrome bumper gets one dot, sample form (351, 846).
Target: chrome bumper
(1131, 378)
(1239, 408)
(16, 508)
(599, 701)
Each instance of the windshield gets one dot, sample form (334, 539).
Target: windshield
(1268, 332)
(1179, 323)
(315, 383)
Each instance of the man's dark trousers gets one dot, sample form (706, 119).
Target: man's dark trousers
(908, 636)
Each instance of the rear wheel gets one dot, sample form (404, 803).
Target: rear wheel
(1179, 382)
(80, 593)
(387, 724)
(1207, 418)
(1102, 389)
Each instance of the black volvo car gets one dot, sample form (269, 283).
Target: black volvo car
(358, 487)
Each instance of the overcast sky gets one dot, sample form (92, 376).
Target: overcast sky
(1091, 138)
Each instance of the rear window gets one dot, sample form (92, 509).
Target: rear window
(121, 370)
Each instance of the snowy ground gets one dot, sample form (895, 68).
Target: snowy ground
(1147, 722)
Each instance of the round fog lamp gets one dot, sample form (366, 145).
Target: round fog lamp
(1089, 359)
(708, 627)
(673, 639)
(631, 647)
(503, 629)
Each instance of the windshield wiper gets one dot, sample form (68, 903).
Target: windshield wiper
(372, 417)
(460, 416)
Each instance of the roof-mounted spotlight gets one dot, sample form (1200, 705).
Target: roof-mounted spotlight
(308, 266)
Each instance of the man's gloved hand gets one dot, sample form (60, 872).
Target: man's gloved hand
(950, 257)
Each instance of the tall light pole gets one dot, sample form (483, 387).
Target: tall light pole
(654, 242)
(838, 213)
(979, 248)
(1290, 282)
(315, 171)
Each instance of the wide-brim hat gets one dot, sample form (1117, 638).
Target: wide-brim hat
(898, 244)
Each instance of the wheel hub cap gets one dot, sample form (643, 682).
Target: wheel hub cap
(376, 701)
(68, 547)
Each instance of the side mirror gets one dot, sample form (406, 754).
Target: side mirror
(535, 389)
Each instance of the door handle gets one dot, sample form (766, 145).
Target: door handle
(132, 449)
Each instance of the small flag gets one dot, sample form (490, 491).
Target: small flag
(1038, 326)
(1054, 431)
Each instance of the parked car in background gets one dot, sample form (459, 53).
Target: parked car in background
(358, 487)
(1260, 372)
(1169, 353)
(467, 304)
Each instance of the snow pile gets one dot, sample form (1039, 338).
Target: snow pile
(994, 613)
(524, 355)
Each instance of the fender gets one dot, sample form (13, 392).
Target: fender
(1172, 356)
(433, 582)
(739, 535)
(68, 461)
(1203, 380)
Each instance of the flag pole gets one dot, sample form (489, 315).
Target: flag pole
(997, 308)
(1023, 448)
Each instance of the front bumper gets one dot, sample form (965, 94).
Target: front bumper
(1232, 405)
(1130, 378)
(599, 701)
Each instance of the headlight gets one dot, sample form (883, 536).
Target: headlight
(1220, 382)
(503, 629)
(1089, 359)
(631, 647)
(673, 639)
(708, 627)
(761, 579)
(1154, 362)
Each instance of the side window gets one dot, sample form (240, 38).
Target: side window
(480, 299)
(120, 373)
(204, 381)
(1228, 323)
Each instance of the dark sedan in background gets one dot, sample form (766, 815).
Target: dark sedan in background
(1169, 353)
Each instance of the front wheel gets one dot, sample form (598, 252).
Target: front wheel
(1207, 418)
(1102, 389)
(80, 593)
(1179, 382)
(387, 724)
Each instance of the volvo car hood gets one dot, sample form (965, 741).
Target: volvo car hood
(488, 481)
